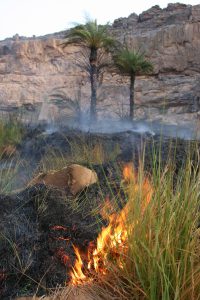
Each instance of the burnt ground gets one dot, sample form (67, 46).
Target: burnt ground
(32, 249)
(40, 225)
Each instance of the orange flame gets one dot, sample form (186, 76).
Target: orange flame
(112, 241)
(77, 273)
(107, 208)
(131, 176)
(129, 173)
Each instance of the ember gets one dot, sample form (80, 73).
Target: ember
(65, 259)
(58, 227)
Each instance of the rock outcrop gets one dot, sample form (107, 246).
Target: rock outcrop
(33, 69)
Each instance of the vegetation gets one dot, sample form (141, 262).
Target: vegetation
(159, 259)
(81, 153)
(11, 134)
(131, 63)
(162, 248)
(11, 131)
(162, 260)
(8, 174)
(95, 38)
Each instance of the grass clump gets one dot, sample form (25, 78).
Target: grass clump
(162, 258)
(14, 174)
(162, 247)
(80, 153)
(11, 132)
(93, 152)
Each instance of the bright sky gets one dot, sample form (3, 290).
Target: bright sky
(39, 17)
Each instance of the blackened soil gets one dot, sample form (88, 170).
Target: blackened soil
(39, 226)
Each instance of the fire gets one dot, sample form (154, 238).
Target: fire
(107, 209)
(112, 242)
(135, 185)
(77, 273)
(129, 173)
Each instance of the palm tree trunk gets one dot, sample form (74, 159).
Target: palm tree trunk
(132, 104)
(93, 82)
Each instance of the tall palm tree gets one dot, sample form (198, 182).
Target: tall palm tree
(131, 63)
(95, 38)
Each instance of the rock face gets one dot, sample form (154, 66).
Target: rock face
(34, 69)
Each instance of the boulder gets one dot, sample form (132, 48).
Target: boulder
(73, 177)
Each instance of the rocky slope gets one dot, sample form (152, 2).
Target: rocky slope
(32, 69)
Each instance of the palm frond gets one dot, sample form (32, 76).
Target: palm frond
(90, 35)
(130, 61)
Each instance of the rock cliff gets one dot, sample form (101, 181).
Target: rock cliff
(33, 69)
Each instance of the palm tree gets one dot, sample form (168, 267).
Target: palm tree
(94, 38)
(131, 63)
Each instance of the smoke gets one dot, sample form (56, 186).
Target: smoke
(187, 131)
(55, 119)
(110, 125)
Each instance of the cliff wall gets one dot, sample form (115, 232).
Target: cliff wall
(33, 69)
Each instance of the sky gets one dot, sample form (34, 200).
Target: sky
(39, 17)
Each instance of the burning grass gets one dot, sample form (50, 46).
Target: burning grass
(149, 249)
(146, 246)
